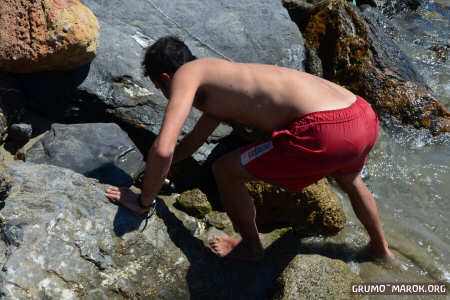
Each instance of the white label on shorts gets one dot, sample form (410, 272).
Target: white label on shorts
(255, 152)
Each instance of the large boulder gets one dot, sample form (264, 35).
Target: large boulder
(100, 150)
(115, 89)
(314, 210)
(349, 48)
(46, 35)
(61, 238)
(305, 275)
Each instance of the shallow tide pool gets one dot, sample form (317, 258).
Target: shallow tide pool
(408, 172)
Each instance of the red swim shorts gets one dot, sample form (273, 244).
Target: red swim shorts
(313, 146)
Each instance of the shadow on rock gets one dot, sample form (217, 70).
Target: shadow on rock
(210, 276)
(53, 94)
(110, 174)
(127, 221)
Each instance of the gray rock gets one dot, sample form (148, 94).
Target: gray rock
(100, 150)
(220, 220)
(113, 87)
(306, 274)
(64, 239)
(20, 132)
(61, 238)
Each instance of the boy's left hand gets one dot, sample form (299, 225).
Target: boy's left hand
(124, 196)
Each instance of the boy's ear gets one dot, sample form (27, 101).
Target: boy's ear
(166, 78)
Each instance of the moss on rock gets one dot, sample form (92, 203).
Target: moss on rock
(195, 203)
(314, 210)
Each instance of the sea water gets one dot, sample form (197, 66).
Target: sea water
(408, 172)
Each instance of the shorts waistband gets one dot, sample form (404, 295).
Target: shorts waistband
(335, 115)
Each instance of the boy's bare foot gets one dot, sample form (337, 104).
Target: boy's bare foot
(386, 256)
(236, 249)
(383, 255)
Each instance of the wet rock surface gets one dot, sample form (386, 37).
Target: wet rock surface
(46, 35)
(354, 52)
(314, 210)
(101, 150)
(392, 7)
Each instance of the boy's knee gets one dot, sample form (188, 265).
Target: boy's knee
(348, 182)
(227, 167)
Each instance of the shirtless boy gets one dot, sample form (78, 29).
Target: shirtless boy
(317, 128)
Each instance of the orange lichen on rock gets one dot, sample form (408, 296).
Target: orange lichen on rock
(46, 35)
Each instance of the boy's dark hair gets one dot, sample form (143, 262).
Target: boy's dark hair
(166, 55)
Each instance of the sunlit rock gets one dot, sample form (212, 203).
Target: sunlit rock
(195, 203)
(46, 35)
(314, 210)
(354, 52)
(303, 278)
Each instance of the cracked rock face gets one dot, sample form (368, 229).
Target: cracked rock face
(46, 35)
(99, 150)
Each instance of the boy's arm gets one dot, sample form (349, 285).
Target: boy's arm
(183, 88)
(194, 139)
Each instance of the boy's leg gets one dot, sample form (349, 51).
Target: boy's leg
(366, 210)
(230, 178)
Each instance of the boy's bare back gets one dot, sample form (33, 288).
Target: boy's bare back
(264, 96)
